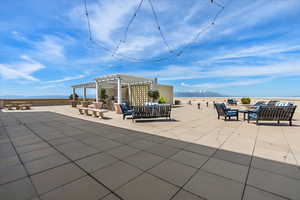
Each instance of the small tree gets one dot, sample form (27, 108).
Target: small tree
(103, 95)
(76, 96)
(154, 94)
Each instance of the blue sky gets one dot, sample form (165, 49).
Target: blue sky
(252, 50)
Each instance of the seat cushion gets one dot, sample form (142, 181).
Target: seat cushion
(128, 112)
(231, 112)
(252, 115)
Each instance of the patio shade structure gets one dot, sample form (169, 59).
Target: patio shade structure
(111, 81)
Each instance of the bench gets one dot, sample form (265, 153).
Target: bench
(95, 112)
(18, 106)
(153, 111)
(273, 113)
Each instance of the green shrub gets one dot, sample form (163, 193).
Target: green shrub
(162, 100)
(103, 95)
(246, 100)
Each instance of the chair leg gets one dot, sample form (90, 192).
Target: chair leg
(278, 121)
(218, 116)
(290, 123)
(256, 122)
(123, 117)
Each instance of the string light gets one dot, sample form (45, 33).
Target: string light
(114, 52)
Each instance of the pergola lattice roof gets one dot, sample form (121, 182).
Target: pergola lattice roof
(111, 80)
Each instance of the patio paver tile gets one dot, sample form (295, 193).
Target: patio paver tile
(235, 157)
(144, 160)
(111, 197)
(274, 183)
(213, 187)
(56, 177)
(18, 190)
(227, 169)
(117, 174)
(162, 150)
(183, 195)
(96, 162)
(85, 188)
(252, 193)
(147, 187)
(142, 144)
(11, 173)
(201, 149)
(173, 172)
(76, 150)
(123, 151)
(45, 163)
(33, 155)
(190, 159)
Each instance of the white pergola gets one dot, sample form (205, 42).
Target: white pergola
(111, 81)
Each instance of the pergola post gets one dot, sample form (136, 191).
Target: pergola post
(97, 92)
(119, 90)
(84, 94)
(73, 94)
(129, 93)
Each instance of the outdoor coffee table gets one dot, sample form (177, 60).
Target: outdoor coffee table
(245, 112)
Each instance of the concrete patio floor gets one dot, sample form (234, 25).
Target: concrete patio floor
(55, 153)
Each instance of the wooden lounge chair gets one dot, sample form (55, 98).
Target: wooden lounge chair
(226, 112)
(273, 113)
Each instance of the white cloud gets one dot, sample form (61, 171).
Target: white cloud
(181, 72)
(69, 78)
(21, 70)
(210, 85)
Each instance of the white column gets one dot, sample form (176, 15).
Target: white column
(84, 94)
(119, 91)
(97, 92)
(129, 93)
(73, 93)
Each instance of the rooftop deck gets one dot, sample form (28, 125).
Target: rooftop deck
(55, 153)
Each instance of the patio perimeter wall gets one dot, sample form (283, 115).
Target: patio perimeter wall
(38, 102)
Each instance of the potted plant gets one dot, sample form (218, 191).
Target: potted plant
(154, 94)
(103, 95)
(74, 100)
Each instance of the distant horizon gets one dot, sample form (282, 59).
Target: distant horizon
(249, 48)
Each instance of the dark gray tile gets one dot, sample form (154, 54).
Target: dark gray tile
(277, 184)
(238, 158)
(227, 169)
(214, 187)
(252, 193)
(18, 190)
(183, 195)
(162, 150)
(11, 173)
(123, 151)
(56, 177)
(117, 174)
(173, 172)
(201, 149)
(95, 162)
(85, 188)
(147, 187)
(144, 160)
(190, 158)
(45, 163)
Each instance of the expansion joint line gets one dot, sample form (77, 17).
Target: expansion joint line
(67, 157)
(21, 161)
(250, 165)
(195, 173)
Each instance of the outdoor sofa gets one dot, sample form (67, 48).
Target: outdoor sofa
(222, 110)
(279, 112)
(152, 111)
